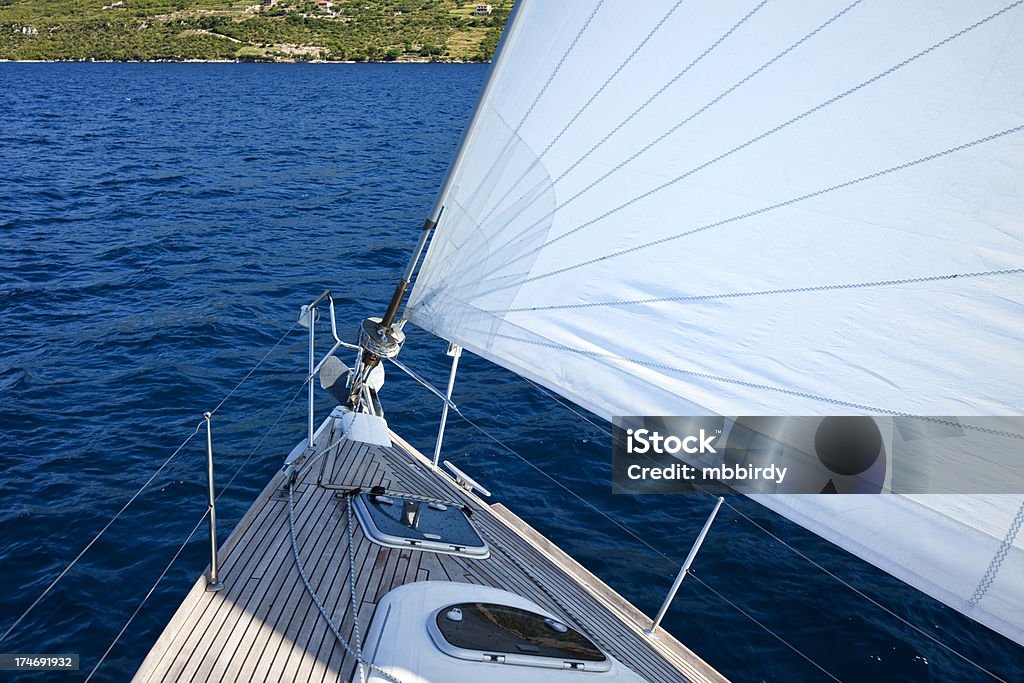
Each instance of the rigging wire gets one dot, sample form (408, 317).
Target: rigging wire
(739, 512)
(754, 619)
(554, 397)
(149, 481)
(630, 532)
(150, 592)
(262, 439)
(249, 374)
(194, 530)
(864, 595)
(95, 538)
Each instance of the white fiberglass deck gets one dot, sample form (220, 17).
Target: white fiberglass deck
(264, 627)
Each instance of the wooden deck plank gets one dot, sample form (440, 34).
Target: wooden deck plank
(265, 627)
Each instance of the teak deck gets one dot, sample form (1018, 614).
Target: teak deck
(263, 626)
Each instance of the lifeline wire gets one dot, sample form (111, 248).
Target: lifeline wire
(193, 533)
(633, 534)
(249, 374)
(139, 492)
(95, 538)
(766, 531)
(146, 597)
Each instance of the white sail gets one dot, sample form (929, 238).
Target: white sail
(759, 208)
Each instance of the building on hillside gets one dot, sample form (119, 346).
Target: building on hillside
(482, 10)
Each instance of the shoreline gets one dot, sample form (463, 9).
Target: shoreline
(233, 61)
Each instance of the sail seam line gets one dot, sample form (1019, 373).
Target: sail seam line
(594, 96)
(766, 387)
(793, 290)
(676, 127)
(998, 558)
(772, 207)
(558, 67)
(754, 140)
(697, 113)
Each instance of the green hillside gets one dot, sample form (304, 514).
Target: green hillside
(257, 30)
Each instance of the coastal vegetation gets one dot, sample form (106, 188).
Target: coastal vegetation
(251, 30)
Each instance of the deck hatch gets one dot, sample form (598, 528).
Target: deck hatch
(511, 635)
(400, 521)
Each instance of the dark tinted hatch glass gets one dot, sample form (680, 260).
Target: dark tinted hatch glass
(421, 520)
(501, 629)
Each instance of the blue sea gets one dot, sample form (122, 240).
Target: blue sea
(161, 225)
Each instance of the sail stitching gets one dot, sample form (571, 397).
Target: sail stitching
(755, 385)
(700, 111)
(998, 558)
(772, 207)
(558, 67)
(594, 96)
(679, 125)
(767, 292)
(754, 140)
(858, 591)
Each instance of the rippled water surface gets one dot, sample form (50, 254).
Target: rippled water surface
(161, 224)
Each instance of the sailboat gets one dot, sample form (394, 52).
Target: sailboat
(663, 208)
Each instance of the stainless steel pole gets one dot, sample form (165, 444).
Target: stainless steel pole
(685, 568)
(455, 352)
(212, 584)
(312, 326)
